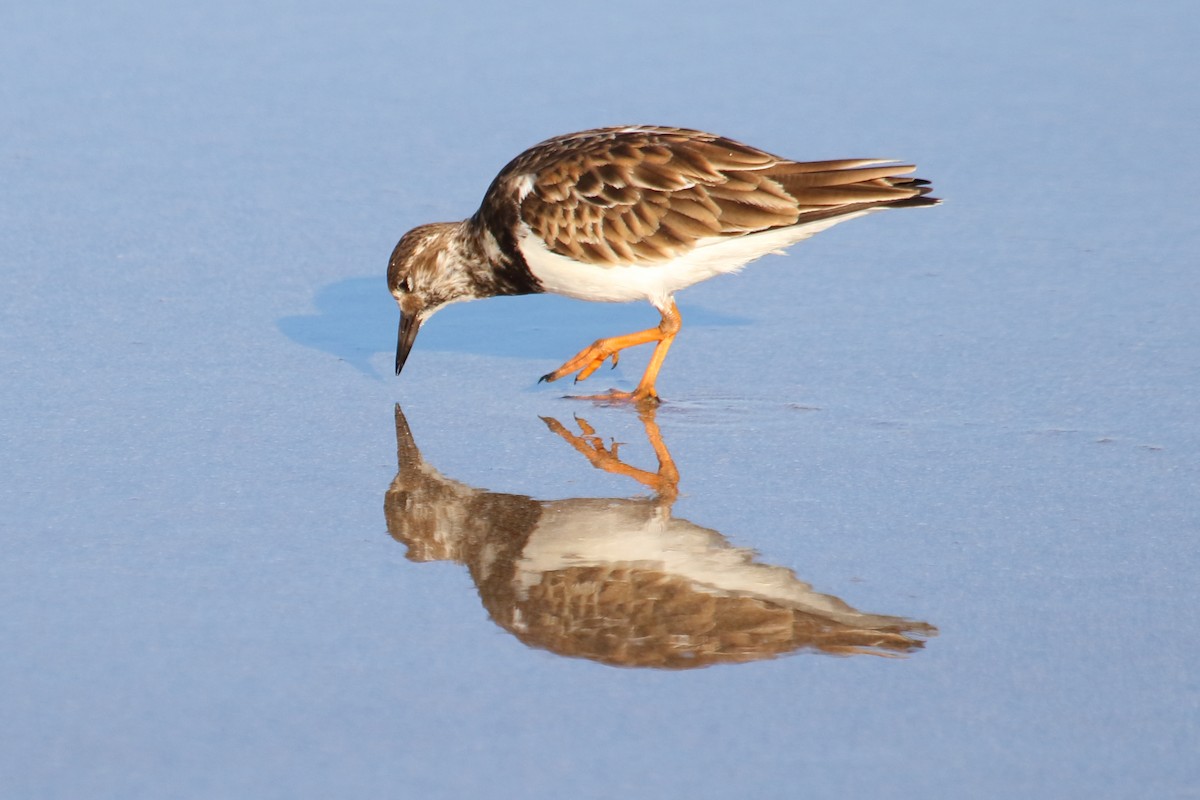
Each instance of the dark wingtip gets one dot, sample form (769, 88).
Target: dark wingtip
(917, 202)
(922, 198)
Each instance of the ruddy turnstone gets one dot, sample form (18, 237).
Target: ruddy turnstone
(631, 213)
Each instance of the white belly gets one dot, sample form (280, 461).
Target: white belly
(657, 282)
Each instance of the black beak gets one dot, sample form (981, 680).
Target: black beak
(409, 325)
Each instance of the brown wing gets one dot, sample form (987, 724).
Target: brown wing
(647, 195)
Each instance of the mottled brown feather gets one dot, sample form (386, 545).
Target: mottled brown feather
(647, 195)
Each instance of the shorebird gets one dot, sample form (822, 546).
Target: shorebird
(631, 213)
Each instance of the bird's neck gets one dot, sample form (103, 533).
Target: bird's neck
(492, 259)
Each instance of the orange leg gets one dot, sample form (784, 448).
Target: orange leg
(590, 358)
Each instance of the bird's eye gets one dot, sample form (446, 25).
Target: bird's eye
(406, 285)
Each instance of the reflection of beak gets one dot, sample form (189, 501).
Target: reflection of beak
(409, 325)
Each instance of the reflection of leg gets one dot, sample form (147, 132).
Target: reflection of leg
(668, 474)
(664, 482)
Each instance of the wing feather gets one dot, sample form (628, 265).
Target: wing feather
(646, 195)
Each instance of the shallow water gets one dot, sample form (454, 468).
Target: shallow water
(917, 517)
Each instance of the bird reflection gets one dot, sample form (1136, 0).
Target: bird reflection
(620, 580)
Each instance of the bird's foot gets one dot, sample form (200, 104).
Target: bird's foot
(590, 358)
(586, 362)
(642, 398)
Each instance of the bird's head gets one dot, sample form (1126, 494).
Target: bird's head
(423, 276)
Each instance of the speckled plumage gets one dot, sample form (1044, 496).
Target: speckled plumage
(620, 214)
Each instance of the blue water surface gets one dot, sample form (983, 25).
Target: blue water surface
(980, 418)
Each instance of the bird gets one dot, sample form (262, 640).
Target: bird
(632, 213)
